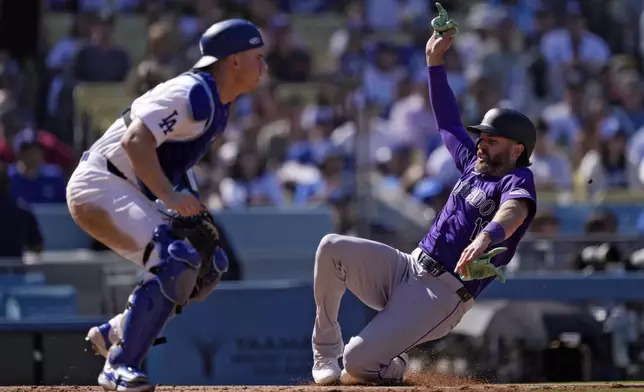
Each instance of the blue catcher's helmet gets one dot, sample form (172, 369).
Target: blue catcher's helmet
(225, 38)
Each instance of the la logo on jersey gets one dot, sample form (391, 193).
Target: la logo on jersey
(167, 124)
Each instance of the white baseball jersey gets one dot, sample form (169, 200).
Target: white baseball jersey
(185, 116)
(178, 113)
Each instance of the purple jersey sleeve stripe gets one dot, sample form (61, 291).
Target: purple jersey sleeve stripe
(448, 118)
(520, 185)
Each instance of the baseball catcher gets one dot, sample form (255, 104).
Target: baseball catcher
(124, 193)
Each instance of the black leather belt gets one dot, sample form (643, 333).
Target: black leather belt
(436, 269)
(126, 116)
(110, 166)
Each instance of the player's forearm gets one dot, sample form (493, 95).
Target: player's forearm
(509, 217)
(445, 108)
(140, 147)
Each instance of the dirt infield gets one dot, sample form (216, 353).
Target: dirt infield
(414, 383)
(306, 388)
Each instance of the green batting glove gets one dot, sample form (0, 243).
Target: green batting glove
(441, 24)
(482, 267)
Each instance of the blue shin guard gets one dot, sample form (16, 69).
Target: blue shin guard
(206, 284)
(154, 300)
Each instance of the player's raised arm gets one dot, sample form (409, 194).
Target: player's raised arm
(443, 101)
(153, 122)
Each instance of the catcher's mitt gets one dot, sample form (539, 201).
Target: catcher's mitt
(200, 230)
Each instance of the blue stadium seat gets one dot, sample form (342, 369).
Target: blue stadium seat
(573, 217)
(29, 278)
(35, 302)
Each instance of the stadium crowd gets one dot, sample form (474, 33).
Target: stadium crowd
(574, 66)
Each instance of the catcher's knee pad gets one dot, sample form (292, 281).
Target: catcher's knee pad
(153, 302)
(178, 270)
(211, 276)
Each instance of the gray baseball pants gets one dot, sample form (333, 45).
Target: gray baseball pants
(414, 306)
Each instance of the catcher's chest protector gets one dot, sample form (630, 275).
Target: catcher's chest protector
(177, 157)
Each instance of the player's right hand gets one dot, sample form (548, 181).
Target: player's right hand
(186, 204)
(444, 32)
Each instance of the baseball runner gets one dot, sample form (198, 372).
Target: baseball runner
(125, 194)
(423, 295)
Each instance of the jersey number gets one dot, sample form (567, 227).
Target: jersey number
(167, 124)
(479, 224)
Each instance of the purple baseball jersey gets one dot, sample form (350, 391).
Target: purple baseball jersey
(475, 199)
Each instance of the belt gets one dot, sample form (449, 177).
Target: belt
(436, 269)
(127, 117)
(110, 166)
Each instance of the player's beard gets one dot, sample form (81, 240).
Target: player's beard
(498, 164)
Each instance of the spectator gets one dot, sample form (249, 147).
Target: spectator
(326, 104)
(483, 95)
(198, 16)
(145, 77)
(393, 163)
(551, 168)
(347, 50)
(573, 46)
(602, 252)
(411, 118)
(164, 48)
(606, 168)
(352, 35)
(32, 180)
(251, 183)
(275, 137)
(392, 14)
(573, 65)
(365, 144)
(481, 20)
(61, 57)
(630, 111)
(456, 75)
(545, 224)
(440, 166)
(55, 151)
(335, 184)
(19, 227)
(102, 60)
(566, 118)
(381, 78)
(288, 61)
(504, 64)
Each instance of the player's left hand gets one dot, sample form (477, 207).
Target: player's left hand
(472, 252)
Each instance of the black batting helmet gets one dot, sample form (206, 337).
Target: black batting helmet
(510, 124)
